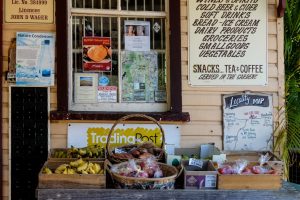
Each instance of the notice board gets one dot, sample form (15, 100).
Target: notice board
(227, 42)
(248, 122)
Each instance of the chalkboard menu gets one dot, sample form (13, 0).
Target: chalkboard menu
(227, 42)
(248, 122)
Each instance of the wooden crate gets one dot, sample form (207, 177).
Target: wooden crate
(52, 158)
(250, 181)
(82, 181)
(253, 156)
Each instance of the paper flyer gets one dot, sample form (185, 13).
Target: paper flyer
(96, 54)
(86, 87)
(137, 35)
(35, 59)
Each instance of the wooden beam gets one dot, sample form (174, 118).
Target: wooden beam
(281, 7)
(1, 75)
(62, 53)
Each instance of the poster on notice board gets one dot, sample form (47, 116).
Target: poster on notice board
(35, 59)
(96, 54)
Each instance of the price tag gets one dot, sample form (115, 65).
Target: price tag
(196, 162)
(119, 150)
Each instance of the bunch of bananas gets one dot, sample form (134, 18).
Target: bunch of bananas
(94, 151)
(76, 167)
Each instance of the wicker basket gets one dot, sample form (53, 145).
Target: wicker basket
(109, 152)
(170, 173)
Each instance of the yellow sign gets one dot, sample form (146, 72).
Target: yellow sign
(29, 11)
(124, 136)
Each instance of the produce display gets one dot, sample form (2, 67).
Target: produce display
(76, 167)
(146, 168)
(142, 151)
(245, 167)
(94, 151)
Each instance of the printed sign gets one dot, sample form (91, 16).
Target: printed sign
(86, 87)
(29, 11)
(137, 35)
(248, 122)
(35, 59)
(96, 54)
(84, 134)
(227, 42)
(107, 94)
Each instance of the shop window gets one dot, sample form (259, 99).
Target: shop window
(120, 56)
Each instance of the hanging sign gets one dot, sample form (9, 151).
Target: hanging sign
(248, 122)
(227, 42)
(29, 11)
(85, 134)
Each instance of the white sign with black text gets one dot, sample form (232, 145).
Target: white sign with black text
(248, 122)
(227, 42)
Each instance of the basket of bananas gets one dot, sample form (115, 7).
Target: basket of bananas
(138, 150)
(75, 174)
(93, 152)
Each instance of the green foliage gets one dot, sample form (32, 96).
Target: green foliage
(288, 130)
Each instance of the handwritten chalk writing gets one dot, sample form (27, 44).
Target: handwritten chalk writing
(235, 102)
(247, 100)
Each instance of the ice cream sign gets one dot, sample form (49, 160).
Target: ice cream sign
(85, 134)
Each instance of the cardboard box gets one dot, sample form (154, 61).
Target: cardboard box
(200, 178)
(187, 152)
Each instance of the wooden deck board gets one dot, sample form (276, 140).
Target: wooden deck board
(288, 192)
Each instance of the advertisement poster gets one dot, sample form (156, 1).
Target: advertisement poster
(29, 11)
(96, 54)
(107, 94)
(137, 35)
(35, 59)
(228, 43)
(139, 76)
(85, 134)
(248, 122)
(86, 87)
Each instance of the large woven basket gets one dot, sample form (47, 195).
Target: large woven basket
(109, 150)
(170, 173)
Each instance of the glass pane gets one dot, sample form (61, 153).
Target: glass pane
(140, 5)
(98, 4)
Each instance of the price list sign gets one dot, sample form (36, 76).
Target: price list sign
(227, 42)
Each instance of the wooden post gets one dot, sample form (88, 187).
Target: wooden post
(281, 7)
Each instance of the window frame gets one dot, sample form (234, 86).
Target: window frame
(62, 113)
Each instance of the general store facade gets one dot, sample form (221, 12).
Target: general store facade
(196, 109)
